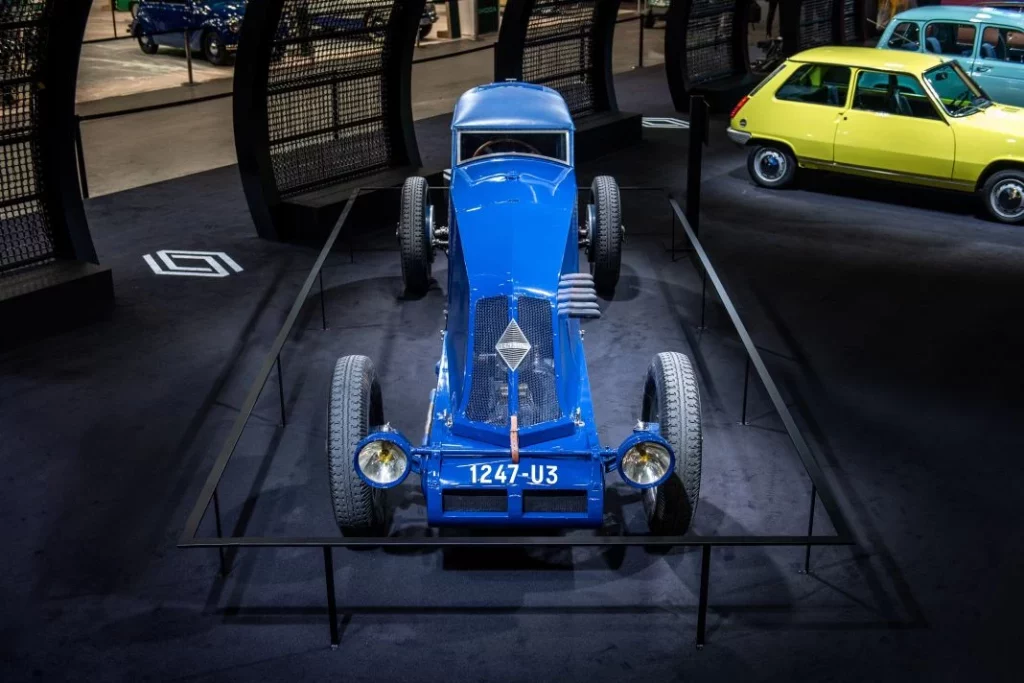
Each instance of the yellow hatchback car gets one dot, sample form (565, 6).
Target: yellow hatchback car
(908, 117)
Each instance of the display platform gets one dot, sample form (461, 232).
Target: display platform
(886, 317)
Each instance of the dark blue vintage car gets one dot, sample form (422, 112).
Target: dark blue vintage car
(213, 26)
(510, 437)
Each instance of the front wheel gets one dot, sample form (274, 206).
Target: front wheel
(672, 400)
(771, 166)
(148, 45)
(424, 31)
(1003, 196)
(604, 231)
(649, 19)
(214, 50)
(355, 406)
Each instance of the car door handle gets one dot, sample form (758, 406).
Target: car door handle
(982, 69)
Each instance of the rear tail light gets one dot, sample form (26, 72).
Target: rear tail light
(736, 109)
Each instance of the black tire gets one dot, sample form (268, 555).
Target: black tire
(424, 32)
(605, 252)
(413, 239)
(214, 50)
(1003, 196)
(148, 45)
(354, 408)
(649, 19)
(771, 166)
(672, 400)
(133, 8)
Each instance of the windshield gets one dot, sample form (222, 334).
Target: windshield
(552, 145)
(955, 90)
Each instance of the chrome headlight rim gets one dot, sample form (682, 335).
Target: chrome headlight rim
(398, 442)
(645, 436)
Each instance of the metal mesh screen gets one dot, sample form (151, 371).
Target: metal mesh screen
(850, 21)
(488, 392)
(26, 233)
(558, 51)
(538, 395)
(327, 91)
(709, 40)
(816, 17)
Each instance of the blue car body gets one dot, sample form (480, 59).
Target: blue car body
(513, 237)
(168, 21)
(988, 43)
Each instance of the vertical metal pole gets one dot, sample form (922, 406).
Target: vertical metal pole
(695, 157)
(746, 382)
(810, 530)
(702, 606)
(83, 179)
(188, 55)
(673, 233)
(113, 17)
(640, 55)
(332, 605)
(323, 308)
(280, 391)
(703, 296)
(220, 550)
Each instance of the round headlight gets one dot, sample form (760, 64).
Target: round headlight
(382, 463)
(646, 464)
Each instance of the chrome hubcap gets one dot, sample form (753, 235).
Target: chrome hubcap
(770, 164)
(1007, 199)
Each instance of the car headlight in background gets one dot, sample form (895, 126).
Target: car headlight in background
(234, 24)
(382, 460)
(645, 459)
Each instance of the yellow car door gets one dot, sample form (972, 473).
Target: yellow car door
(892, 126)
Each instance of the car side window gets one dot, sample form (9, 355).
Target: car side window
(817, 84)
(897, 94)
(906, 36)
(1002, 45)
(949, 38)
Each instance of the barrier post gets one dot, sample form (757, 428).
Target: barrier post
(695, 154)
(188, 55)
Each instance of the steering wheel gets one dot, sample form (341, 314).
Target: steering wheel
(512, 142)
(960, 99)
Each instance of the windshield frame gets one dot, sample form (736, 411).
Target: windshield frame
(459, 161)
(972, 86)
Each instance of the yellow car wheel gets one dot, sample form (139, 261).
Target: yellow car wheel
(1003, 195)
(771, 166)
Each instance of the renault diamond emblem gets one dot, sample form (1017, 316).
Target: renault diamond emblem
(513, 345)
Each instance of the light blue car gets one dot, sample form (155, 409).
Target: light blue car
(988, 43)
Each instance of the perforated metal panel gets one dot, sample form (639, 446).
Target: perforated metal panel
(538, 395)
(488, 392)
(709, 41)
(558, 51)
(26, 231)
(850, 32)
(327, 92)
(816, 23)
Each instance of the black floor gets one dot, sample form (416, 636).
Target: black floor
(889, 316)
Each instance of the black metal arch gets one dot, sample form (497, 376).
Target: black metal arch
(41, 213)
(810, 23)
(563, 44)
(322, 95)
(706, 49)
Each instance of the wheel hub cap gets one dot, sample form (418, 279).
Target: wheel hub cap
(1008, 199)
(771, 165)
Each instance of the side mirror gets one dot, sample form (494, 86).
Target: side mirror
(941, 76)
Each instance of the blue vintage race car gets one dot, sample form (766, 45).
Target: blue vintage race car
(510, 437)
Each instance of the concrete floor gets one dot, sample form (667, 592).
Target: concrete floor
(139, 149)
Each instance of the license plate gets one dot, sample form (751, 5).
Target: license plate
(513, 473)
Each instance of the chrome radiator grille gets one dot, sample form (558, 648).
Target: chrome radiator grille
(488, 392)
(538, 396)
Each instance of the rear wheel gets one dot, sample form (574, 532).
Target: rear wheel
(1003, 196)
(605, 234)
(355, 406)
(771, 166)
(214, 50)
(649, 19)
(147, 45)
(414, 235)
(672, 400)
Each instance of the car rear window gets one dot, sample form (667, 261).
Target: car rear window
(817, 84)
(552, 145)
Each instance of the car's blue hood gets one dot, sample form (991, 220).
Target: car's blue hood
(224, 8)
(514, 216)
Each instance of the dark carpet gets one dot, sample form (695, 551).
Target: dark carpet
(889, 316)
